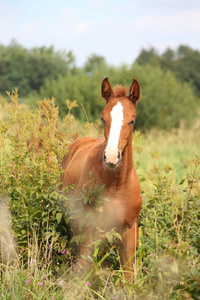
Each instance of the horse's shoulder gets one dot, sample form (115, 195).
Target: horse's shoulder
(80, 149)
(85, 142)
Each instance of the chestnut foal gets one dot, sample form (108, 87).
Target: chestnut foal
(110, 161)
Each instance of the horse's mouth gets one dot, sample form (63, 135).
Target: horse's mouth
(112, 163)
(112, 166)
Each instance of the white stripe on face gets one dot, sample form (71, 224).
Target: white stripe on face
(117, 118)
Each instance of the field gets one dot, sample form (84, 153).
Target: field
(175, 149)
(167, 261)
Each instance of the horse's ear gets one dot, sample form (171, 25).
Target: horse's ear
(134, 95)
(106, 89)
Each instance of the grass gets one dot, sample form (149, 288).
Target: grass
(37, 279)
(37, 282)
(167, 262)
(173, 150)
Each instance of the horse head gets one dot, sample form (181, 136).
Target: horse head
(118, 118)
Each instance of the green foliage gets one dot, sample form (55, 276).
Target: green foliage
(32, 145)
(76, 86)
(86, 206)
(167, 82)
(27, 70)
(13, 68)
(93, 63)
(169, 234)
(148, 57)
(45, 63)
(32, 148)
(165, 101)
(33, 281)
(183, 62)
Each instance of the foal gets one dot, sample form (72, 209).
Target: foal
(110, 161)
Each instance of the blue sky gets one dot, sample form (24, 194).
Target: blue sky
(115, 29)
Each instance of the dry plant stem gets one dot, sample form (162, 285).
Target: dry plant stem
(177, 224)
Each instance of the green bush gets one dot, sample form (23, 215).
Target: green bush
(32, 148)
(165, 101)
(27, 70)
(80, 87)
(33, 143)
(169, 235)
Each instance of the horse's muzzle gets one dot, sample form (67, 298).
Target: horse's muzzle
(112, 161)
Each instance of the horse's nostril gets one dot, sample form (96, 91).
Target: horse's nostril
(119, 155)
(112, 161)
(104, 155)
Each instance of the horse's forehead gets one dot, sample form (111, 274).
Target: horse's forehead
(115, 109)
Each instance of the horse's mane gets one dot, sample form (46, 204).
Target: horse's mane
(119, 90)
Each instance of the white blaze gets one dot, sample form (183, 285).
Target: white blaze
(117, 118)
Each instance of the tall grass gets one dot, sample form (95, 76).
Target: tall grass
(175, 148)
(42, 264)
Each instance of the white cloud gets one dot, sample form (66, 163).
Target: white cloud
(69, 25)
(31, 28)
(99, 4)
(80, 27)
(114, 29)
(183, 22)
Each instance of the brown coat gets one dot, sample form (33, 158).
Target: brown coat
(112, 166)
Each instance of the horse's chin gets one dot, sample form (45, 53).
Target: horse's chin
(112, 166)
(116, 161)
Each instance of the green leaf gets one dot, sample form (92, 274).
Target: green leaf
(101, 189)
(117, 235)
(95, 256)
(58, 217)
(182, 181)
(179, 287)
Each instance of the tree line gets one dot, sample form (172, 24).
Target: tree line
(184, 62)
(27, 70)
(170, 82)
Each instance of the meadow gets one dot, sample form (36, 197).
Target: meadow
(37, 253)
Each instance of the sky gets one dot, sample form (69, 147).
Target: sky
(114, 29)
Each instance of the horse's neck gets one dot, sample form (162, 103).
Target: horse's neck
(126, 165)
(122, 174)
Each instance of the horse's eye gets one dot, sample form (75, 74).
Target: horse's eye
(103, 121)
(132, 122)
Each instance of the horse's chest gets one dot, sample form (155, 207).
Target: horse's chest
(122, 207)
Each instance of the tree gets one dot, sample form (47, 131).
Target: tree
(167, 58)
(187, 68)
(27, 70)
(13, 68)
(93, 63)
(148, 57)
(165, 101)
(184, 62)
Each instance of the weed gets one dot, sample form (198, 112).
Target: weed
(35, 214)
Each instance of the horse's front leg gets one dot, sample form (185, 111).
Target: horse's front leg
(128, 248)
